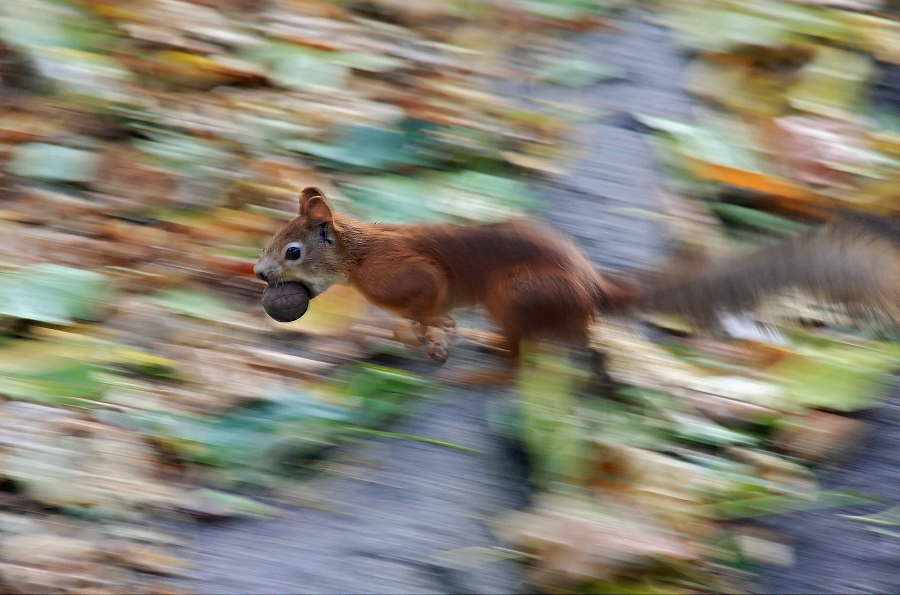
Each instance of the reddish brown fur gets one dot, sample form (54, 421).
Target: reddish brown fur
(531, 280)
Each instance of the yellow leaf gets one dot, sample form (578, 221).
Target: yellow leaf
(753, 180)
(330, 313)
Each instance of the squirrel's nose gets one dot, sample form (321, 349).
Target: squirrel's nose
(261, 272)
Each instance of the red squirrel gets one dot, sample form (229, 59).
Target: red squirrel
(534, 281)
(531, 280)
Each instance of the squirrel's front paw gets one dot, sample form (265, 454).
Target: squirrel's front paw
(438, 340)
(408, 332)
(438, 352)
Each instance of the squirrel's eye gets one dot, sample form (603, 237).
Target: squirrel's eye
(292, 253)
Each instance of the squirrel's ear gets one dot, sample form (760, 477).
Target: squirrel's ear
(306, 194)
(318, 211)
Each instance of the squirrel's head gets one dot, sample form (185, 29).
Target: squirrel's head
(307, 250)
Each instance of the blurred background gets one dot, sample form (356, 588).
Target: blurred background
(154, 422)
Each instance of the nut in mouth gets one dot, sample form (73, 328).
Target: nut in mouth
(286, 302)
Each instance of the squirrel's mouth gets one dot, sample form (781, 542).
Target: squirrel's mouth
(312, 292)
(309, 290)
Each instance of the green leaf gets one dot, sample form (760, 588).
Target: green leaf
(838, 377)
(832, 83)
(36, 24)
(60, 381)
(52, 294)
(279, 436)
(365, 146)
(302, 71)
(704, 143)
(553, 434)
(237, 505)
(729, 28)
(193, 303)
(564, 10)
(85, 74)
(368, 62)
(181, 152)
(578, 72)
(297, 67)
(716, 29)
(384, 393)
(756, 219)
(272, 129)
(815, 22)
(889, 517)
(392, 199)
(467, 195)
(479, 196)
(701, 431)
(54, 163)
(785, 504)
(413, 438)
(666, 151)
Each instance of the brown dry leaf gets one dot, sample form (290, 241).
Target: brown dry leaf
(162, 37)
(52, 563)
(140, 321)
(574, 548)
(101, 580)
(818, 150)
(793, 477)
(231, 220)
(748, 354)
(879, 35)
(728, 412)
(122, 172)
(69, 560)
(533, 163)
(102, 468)
(765, 548)
(145, 558)
(196, 72)
(418, 13)
(634, 361)
(289, 175)
(820, 437)
(60, 206)
(46, 550)
(734, 83)
(285, 364)
(17, 128)
(650, 478)
(243, 193)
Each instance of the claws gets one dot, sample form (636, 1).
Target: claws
(438, 353)
(435, 339)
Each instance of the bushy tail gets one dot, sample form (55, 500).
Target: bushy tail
(854, 262)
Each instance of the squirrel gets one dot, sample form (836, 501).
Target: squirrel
(534, 281)
(852, 260)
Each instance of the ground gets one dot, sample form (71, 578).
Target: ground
(412, 501)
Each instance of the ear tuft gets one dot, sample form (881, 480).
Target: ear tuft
(306, 194)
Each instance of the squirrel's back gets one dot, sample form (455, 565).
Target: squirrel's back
(473, 255)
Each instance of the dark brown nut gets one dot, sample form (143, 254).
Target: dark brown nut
(286, 301)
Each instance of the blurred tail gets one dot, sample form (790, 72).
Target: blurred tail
(854, 262)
